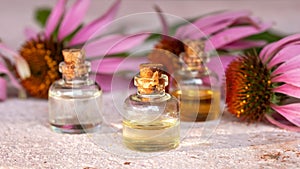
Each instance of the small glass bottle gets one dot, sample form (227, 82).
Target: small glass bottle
(196, 87)
(151, 116)
(75, 100)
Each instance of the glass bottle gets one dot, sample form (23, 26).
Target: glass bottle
(151, 116)
(75, 100)
(196, 87)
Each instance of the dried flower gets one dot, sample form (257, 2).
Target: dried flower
(64, 29)
(260, 86)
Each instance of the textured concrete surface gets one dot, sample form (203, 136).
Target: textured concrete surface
(27, 142)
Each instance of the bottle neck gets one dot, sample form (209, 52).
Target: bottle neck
(151, 87)
(193, 65)
(75, 74)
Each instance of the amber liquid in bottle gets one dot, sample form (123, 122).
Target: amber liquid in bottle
(196, 86)
(198, 105)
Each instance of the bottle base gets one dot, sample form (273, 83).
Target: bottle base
(150, 146)
(75, 128)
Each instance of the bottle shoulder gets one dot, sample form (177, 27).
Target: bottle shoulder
(134, 103)
(152, 100)
(86, 84)
(198, 78)
(61, 89)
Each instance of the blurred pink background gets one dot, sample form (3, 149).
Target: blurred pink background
(15, 15)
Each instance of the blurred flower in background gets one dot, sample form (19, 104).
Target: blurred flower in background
(64, 29)
(6, 61)
(267, 85)
(225, 33)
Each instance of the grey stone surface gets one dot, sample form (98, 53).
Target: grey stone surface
(27, 142)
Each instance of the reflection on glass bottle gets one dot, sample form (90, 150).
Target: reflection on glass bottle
(196, 86)
(75, 100)
(151, 116)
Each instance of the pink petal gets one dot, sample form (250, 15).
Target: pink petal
(289, 64)
(115, 64)
(20, 63)
(73, 18)
(97, 26)
(206, 31)
(232, 34)
(3, 92)
(54, 17)
(249, 20)
(113, 44)
(285, 54)
(243, 44)
(13, 80)
(163, 21)
(30, 34)
(198, 33)
(281, 124)
(8, 53)
(289, 90)
(291, 77)
(210, 20)
(219, 65)
(274, 47)
(290, 112)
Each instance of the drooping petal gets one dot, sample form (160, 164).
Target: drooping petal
(291, 77)
(30, 34)
(281, 124)
(163, 21)
(265, 50)
(289, 90)
(113, 44)
(206, 31)
(73, 18)
(117, 64)
(285, 54)
(96, 27)
(271, 49)
(290, 64)
(290, 112)
(197, 33)
(54, 17)
(244, 44)
(210, 20)
(20, 63)
(13, 80)
(8, 53)
(219, 65)
(232, 34)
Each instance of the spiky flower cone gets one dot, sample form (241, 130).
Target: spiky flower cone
(43, 57)
(249, 88)
(267, 85)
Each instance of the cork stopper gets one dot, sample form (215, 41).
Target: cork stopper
(151, 79)
(194, 54)
(73, 56)
(74, 64)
